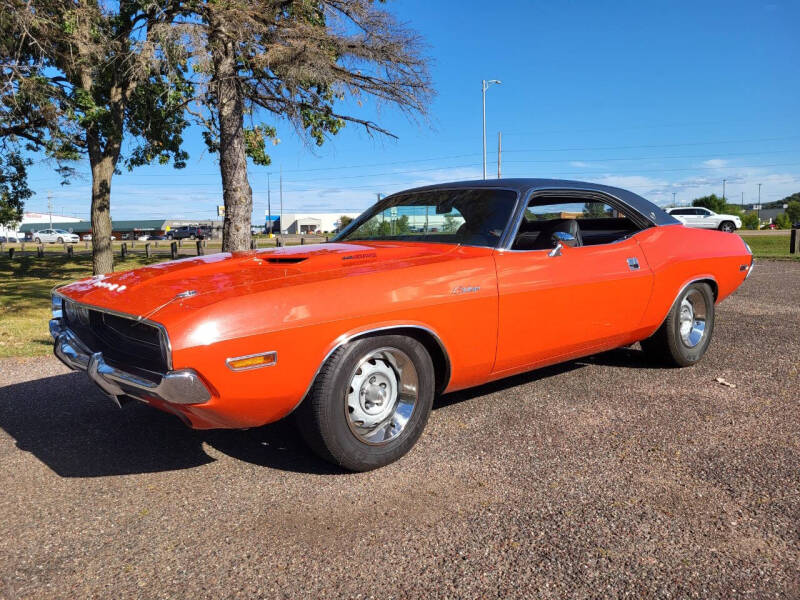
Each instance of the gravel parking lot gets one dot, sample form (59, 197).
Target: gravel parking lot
(603, 477)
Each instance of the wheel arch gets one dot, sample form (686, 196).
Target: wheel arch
(423, 334)
(709, 279)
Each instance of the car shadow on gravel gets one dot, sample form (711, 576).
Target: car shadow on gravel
(68, 424)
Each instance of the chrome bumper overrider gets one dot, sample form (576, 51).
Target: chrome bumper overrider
(176, 387)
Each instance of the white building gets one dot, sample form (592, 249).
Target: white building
(38, 218)
(312, 222)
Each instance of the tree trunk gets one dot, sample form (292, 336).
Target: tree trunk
(236, 192)
(102, 251)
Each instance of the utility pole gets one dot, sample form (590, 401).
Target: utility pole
(741, 204)
(280, 218)
(673, 198)
(723, 190)
(758, 211)
(499, 151)
(269, 207)
(50, 207)
(485, 86)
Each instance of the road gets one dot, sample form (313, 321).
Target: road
(603, 477)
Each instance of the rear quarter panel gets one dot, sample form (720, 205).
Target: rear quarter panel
(678, 255)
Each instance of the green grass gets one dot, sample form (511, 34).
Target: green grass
(25, 285)
(770, 246)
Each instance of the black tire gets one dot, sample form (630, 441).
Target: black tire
(60, 240)
(668, 346)
(192, 236)
(322, 416)
(727, 226)
(38, 241)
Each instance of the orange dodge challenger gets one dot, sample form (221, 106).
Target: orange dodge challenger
(431, 290)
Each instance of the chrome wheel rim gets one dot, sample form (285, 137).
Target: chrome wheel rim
(727, 227)
(693, 318)
(381, 396)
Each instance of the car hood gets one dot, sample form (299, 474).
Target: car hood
(199, 281)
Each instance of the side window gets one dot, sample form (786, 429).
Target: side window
(588, 222)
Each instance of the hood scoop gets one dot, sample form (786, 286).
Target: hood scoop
(286, 260)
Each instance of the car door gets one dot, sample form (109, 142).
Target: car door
(557, 305)
(705, 219)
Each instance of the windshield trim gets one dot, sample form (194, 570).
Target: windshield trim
(379, 206)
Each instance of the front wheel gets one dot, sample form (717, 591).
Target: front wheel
(683, 338)
(727, 227)
(369, 402)
(37, 240)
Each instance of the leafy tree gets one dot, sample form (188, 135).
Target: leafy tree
(293, 59)
(401, 225)
(712, 202)
(344, 221)
(793, 211)
(78, 77)
(783, 221)
(451, 223)
(594, 210)
(750, 221)
(13, 188)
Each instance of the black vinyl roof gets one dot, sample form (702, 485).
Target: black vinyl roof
(525, 186)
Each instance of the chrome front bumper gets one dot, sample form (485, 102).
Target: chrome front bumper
(175, 387)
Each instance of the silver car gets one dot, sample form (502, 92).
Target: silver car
(55, 236)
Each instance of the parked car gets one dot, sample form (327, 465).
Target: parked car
(188, 231)
(704, 218)
(356, 336)
(88, 237)
(51, 236)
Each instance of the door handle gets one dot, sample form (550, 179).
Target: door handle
(633, 264)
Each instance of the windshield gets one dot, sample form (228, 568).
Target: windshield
(476, 217)
(59, 231)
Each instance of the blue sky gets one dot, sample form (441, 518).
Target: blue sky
(658, 97)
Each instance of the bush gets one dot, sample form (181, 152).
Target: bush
(783, 221)
(750, 221)
(793, 210)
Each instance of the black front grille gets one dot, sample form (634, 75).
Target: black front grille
(123, 340)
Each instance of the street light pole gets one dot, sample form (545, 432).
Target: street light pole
(485, 86)
(269, 207)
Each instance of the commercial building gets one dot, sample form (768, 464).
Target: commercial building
(41, 220)
(296, 223)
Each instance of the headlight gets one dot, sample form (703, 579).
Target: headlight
(75, 313)
(55, 305)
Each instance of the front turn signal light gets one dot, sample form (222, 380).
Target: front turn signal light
(252, 361)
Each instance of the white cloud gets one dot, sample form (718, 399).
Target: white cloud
(715, 163)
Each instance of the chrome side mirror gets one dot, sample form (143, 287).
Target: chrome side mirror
(565, 238)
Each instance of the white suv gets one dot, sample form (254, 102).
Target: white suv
(703, 218)
(59, 236)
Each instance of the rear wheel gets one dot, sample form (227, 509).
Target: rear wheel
(369, 402)
(727, 227)
(683, 338)
(37, 240)
(60, 240)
